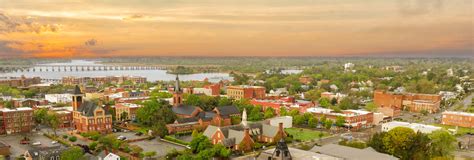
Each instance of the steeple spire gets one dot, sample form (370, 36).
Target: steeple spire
(244, 118)
(176, 86)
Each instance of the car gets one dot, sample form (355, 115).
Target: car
(36, 144)
(139, 133)
(123, 138)
(54, 142)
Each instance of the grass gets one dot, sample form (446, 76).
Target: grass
(304, 134)
(461, 130)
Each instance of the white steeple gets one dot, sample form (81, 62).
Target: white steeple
(244, 118)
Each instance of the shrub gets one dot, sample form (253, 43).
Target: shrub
(65, 136)
(93, 145)
(73, 138)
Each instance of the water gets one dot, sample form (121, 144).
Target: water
(151, 75)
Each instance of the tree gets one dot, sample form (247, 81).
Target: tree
(340, 121)
(159, 129)
(324, 102)
(371, 107)
(108, 142)
(123, 116)
(376, 142)
(40, 115)
(312, 122)
(347, 103)
(298, 120)
(269, 113)
(256, 114)
(398, 140)
(442, 143)
(200, 143)
(73, 153)
(328, 124)
(149, 154)
(224, 101)
(283, 111)
(53, 121)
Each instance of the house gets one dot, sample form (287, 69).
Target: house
(350, 153)
(415, 126)
(242, 137)
(112, 156)
(90, 116)
(44, 153)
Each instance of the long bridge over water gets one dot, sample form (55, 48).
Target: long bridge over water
(75, 68)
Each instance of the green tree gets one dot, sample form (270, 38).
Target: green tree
(398, 140)
(123, 116)
(312, 122)
(73, 153)
(371, 107)
(298, 120)
(324, 102)
(200, 143)
(340, 121)
(40, 115)
(442, 143)
(328, 124)
(224, 101)
(53, 121)
(283, 111)
(269, 113)
(159, 129)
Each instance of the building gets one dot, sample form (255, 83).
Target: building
(28, 102)
(209, 90)
(102, 80)
(245, 91)
(415, 126)
(112, 156)
(58, 98)
(330, 96)
(279, 92)
(242, 137)
(286, 120)
(461, 119)
(354, 119)
(305, 79)
(127, 109)
(350, 153)
(89, 116)
(410, 101)
(20, 82)
(18, 120)
(290, 103)
(44, 153)
(220, 116)
(296, 154)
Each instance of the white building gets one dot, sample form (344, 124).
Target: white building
(286, 120)
(205, 91)
(58, 98)
(112, 156)
(450, 72)
(447, 95)
(378, 117)
(415, 126)
(348, 66)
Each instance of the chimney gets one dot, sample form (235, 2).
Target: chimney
(280, 129)
(247, 132)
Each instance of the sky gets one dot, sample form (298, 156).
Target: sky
(110, 28)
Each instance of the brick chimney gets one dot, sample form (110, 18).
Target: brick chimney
(280, 129)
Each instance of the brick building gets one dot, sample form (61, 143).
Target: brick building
(20, 81)
(410, 101)
(354, 119)
(305, 79)
(245, 91)
(243, 137)
(461, 119)
(19, 120)
(89, 116)
(129, 108)
(290, 103)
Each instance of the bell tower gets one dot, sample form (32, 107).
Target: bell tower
(77, 98)
(178, 94)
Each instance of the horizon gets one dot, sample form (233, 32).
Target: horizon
(260, 28)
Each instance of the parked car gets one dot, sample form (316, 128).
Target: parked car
(123, 138)
(36, 144)
(139, 133)
(54, 142)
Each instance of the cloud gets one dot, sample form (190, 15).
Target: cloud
(24, 24)
(419, 7)
(91, 42)
(135, 17)
(48, 50)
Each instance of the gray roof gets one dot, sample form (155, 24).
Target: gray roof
(235, 133)
(350, 153)
(184, 109)
(87, 109)
(45, 152)
(228, 110)
(269, 130)
(210, 130)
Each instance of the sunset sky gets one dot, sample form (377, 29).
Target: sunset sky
(83, 28)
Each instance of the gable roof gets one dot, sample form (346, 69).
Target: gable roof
(87, 109)
(228, 110)
(45, 152)
(184, 109)
(269, 131)
(351, 153)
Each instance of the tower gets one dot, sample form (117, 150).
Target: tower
(178, 94)
(77, 98)
(244, 118)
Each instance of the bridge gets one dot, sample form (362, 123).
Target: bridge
(75, 68)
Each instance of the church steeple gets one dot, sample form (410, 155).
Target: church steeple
(244, 118)
(77, 98)
(178, 94)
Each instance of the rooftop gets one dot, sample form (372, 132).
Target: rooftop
(459, 113)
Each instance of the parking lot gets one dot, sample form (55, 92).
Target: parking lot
(159, 146)
(17, 149)
(129, 135)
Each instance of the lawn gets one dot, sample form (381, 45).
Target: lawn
(304, 134)
(461, 130)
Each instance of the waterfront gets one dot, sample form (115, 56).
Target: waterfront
(151, 75)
